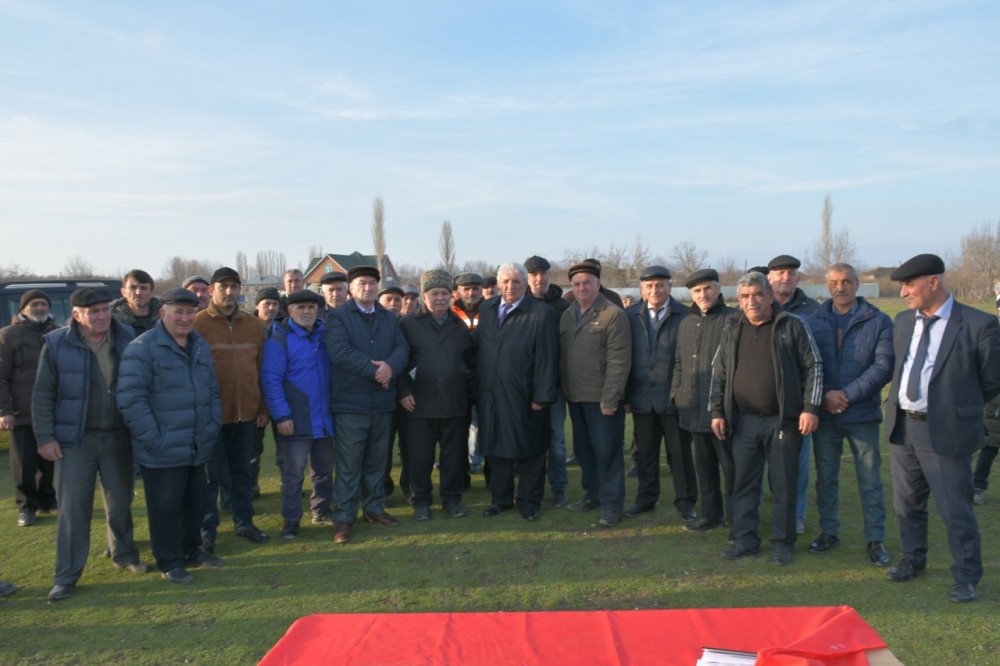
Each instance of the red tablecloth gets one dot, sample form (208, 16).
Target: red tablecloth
(828, 636)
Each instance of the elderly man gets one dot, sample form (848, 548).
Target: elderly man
(267, 304)
(767, 387)
(697, 339)
(295, 379)
(237, 342)
(367, 353)
(293, 280)
(857, 363)
(517, 371)
(20, 347)
(542, 289)
(490, 288)
(595, 358)
(390, 296)
(947, 367)
(77, 423)
(411, 300)
(198, 285)
(138, 307)
(469, 295)
(333, 286)
(655, 321)
(169, 398)
(435, 392)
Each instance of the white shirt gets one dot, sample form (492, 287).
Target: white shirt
(937, 333)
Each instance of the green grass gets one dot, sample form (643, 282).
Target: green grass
(564, 561)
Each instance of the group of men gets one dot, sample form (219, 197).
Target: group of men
(182, 388)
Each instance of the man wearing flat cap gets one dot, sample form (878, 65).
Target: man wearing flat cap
(20, 347)
(947, 366)
(367, 353)
(435, 391)
(198, 285)
(411, 300)
(390, 296)
(655, 322)
(490, 288)
(77, 423)
(333, 286)
(698, 337)
(169, 398)
(267, 305)
(468, 297)
(595, 357)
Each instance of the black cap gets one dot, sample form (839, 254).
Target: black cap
(535, 264)
(763, 270)
(333, 276)
(225, 273)
(363, 271)
(585, 266)
(191, 279)
(704, 275)
(784, 261)
(33, 294)
(84, 297)
(305, 296)
(267, 294)
(655, 273)
(179, 296)
(920, 265)
(490, 281)
(390, 287)
(466, 279)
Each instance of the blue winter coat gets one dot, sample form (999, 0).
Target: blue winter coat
(295, 379)
(169, 397)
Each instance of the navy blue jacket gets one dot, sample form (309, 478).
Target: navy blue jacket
(169, 397)
(295, 379)
(652, 372)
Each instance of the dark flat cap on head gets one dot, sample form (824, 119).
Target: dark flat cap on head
(333, 276)
(784, 261)
(390, 287)
(190, 280)
(412, 290)
(435, 278)
(585, 266)
(655, 273)
(535, 264)
(84, 297)
(33, 294)
(704, 275)
(225, 273)
(179, 296)
(490, 281)
(267, 294)
(918, 266)
(763, 270)
(363, 271)
(305, 296)
(468, 279)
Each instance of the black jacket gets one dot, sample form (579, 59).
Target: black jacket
(651, 374)
(697, 341)
(20, 348)
(438, 372)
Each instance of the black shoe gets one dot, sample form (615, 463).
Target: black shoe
(456, 509)
(60, 592)
(736, 552)
(324, 517)
(962, 593)
(906, 569)
(178, 576)
(703, 525)
(494, 510)
(583, 505)
(252, 534)
(255, 491)
(422, 512)
(200, 559)
(823, 543)
(632, 471)
(26, 519)
(877, 554)
(781, 556)
(531, 515)
(290, 530)
(636, 509)
(559, 499)
(136, 567)
(689, 514)
(208, 544)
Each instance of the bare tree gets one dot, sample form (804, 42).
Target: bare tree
(13, 271)
(176, 269)
(977, 269)
(481, 267)
(729, 270)
(79, 267)
(832, 247)
(242, 265)
(447, 246)
(270, 263)
(315, 252)
(641, 256)
(686, 258)
(378, 231)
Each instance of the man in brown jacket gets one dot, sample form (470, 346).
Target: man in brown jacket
(237, 342)
(596, 355)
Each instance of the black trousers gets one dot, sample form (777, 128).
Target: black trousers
(399, 433)
(710, 456)
(34, 476)
(175, 505)
(650, 430)
(422, 437)
(531, 482)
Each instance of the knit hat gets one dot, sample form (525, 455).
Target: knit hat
(31, 295)
(434, 278)
(267, 294)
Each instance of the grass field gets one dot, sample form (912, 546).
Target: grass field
(563, 561)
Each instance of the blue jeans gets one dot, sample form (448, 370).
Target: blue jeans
(558, 478)
(296, 452)
(362, 446)
(233, 451)
(597, 442)
(828, 448)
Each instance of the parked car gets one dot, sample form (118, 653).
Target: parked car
(58, 290)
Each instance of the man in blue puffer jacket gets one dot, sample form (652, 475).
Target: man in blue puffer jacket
(169, 397)
(856, 366)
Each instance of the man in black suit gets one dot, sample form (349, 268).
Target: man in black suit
(947, 366)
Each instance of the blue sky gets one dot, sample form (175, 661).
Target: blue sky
(133, 132)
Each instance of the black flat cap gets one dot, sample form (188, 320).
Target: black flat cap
(267, 294)
(179, 296)
(535, 264)
(333, 276)
(918, 266)
(411, 290)
(305, 296)
(704, 275)
(225, 273)
(491, 281)
(467, 279)
(390, 287)
(363, 271)
(763, 270)
(783, 261)
(585, 267)
(655, 273)
(84, 297)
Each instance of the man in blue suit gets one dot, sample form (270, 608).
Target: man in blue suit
(947, 365)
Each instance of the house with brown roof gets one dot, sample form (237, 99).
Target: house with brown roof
(328, 263)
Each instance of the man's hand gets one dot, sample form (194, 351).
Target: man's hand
(609, 411)
(263, 420)
(7, 422)
(719, 429)
(536, 407)
(51, 451)
(807, 423)
(835, 401)
(286, 428)
(628, 407)
(408, 403)
(383, 374)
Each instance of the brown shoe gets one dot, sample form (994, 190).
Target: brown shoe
(342, 531)
(381, 518)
